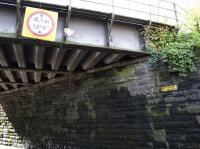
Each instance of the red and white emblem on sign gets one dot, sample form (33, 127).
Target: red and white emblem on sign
(40, 24)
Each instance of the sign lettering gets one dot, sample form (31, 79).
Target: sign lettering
(40, 24)
(169, 88)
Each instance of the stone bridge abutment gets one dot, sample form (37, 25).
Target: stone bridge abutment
(119, 108)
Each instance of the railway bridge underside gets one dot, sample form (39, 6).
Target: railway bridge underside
(98, 40)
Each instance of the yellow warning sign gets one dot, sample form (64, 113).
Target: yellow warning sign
(169, 88)
(40, 24)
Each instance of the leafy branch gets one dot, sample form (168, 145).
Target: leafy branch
(174, 49)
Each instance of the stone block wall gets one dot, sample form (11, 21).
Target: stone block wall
(120, 108)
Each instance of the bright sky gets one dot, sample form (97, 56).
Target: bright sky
(185, 3)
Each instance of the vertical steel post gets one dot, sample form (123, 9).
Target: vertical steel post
(110, 24)
(149, 11)
(18, 23)
(68, 14)
(68, 17)
(176, 15)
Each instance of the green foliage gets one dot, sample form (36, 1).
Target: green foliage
(172, 47)
(179, 57)
(192, 17)
(176, 50)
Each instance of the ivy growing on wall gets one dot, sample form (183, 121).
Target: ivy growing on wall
(174, 47)
(165, 45)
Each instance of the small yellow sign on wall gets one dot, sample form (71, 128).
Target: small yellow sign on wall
(169, 88)
(40, 24)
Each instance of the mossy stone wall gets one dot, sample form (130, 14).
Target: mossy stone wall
(120, 108)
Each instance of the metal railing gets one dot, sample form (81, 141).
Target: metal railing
(160, 11)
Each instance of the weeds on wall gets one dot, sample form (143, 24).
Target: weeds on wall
(165, 45)
(174, 47)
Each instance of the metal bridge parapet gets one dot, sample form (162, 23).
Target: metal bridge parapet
(159, 11)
